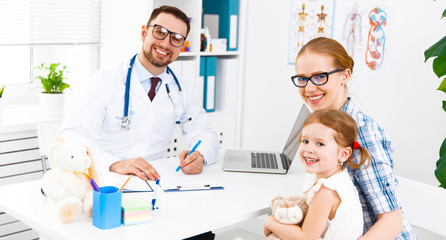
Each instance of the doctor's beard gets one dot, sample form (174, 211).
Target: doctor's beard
(152, 59)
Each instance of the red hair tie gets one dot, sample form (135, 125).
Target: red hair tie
(356, 145)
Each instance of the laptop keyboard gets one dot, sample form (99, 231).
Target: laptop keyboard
(264, 160)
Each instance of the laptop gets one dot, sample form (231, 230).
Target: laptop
(239, 160)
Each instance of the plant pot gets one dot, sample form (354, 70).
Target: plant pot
(52, 105)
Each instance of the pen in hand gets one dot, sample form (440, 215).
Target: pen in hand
(126, 181)
(191, 151)
(94, 185)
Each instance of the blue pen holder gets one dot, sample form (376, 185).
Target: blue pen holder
(107, 207)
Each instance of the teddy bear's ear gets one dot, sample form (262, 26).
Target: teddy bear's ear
(297, 198)
(277, 197)
(274, 202)
(92, 172)
(56, 144)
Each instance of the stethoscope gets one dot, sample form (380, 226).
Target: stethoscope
(179, 119)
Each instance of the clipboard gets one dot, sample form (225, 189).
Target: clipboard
(171, 181)
(130, 189)
(135, 184)
(190, 187)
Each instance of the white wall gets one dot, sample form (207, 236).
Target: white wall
(121, 23)
(401, 97)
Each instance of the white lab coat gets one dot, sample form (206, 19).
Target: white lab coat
(96, 116)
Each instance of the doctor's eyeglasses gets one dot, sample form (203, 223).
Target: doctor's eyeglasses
(317, 79)
(160, 33)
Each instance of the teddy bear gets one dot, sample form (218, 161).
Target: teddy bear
(288, 210)
(67, 184)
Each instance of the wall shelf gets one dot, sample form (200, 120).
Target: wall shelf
(226, 118)
(228, 53)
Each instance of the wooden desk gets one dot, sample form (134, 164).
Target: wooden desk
(184, 214)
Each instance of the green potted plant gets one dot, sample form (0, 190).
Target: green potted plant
(53, 78)
(438, 52)
(52, 98)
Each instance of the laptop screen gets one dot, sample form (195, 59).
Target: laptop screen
(292, 144)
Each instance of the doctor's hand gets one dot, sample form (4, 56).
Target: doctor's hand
(136, 166)
(193, 164)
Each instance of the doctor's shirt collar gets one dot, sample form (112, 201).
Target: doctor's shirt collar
(143, 74)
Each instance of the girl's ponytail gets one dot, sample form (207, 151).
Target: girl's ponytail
(365, 156)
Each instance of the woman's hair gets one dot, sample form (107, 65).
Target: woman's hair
(171, 10)
(332, 48)
(346, 131)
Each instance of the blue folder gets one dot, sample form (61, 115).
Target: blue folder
(210, 81)
(228, 11)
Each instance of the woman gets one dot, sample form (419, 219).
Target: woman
(323, 68)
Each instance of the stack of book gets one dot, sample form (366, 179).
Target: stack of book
(136, 210)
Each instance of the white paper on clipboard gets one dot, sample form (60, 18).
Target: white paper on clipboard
(178, 181)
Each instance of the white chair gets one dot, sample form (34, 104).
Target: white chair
(47, 132)
(424, 205)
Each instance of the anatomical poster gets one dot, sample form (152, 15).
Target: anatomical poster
(309, 19)
(365, 32)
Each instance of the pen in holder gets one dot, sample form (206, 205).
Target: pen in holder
(107, 207)
(157, 195)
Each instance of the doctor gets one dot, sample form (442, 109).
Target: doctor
(127, 130)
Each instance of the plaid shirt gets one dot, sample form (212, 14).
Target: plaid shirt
(376, 183)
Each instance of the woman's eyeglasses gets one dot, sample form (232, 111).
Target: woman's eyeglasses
(317, 79)
(160, 33)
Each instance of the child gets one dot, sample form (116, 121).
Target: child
(327, 141)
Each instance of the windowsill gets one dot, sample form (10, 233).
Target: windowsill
(20, 114)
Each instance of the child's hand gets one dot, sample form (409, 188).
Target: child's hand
(266, 226)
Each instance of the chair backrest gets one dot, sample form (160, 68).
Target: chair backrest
(424, 205)
(47, 132)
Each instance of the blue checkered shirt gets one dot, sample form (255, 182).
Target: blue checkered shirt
(376, 183)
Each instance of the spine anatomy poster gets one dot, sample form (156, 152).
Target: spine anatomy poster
(309, 19)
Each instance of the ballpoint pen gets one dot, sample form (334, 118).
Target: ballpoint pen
(191, 151)
(155, 193)
(94, 185)
(126, 181)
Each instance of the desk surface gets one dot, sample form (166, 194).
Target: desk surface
(184, 214)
